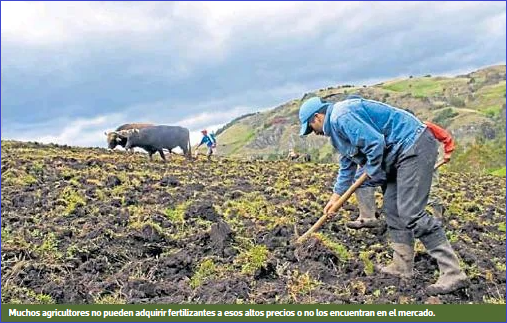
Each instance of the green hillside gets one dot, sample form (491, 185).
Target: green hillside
(471, 106)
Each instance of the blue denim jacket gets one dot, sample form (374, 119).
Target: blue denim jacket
(369, 133)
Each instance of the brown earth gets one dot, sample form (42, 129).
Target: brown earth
(88, 226)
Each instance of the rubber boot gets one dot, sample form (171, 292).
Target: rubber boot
(365, 197)
(451, 276)
(403, 261)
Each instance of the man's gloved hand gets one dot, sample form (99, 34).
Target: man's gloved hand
(332, 201)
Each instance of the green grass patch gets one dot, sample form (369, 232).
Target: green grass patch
(177, 215)
(252, 259)
(369, 268)
(337, 248)
(493, 91)
(499, 172)
(28, 296)
(253, 206)
(423, 86)
(49, 247)
(418, 87)
(235, 138)
(481, 157)
(73, 199)
(17, 178)
(207, 269)
(492, 111)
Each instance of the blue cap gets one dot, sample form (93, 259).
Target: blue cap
(306, 111)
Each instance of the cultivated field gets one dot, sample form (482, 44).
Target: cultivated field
(89, 226)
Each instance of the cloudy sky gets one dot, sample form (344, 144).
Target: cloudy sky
(71, 70)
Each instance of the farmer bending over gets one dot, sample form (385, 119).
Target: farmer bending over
(366, 195)
(397, 152)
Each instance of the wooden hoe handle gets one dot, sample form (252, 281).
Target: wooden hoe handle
(440, 163)
(334, 208)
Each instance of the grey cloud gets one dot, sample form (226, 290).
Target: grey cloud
(176, 71)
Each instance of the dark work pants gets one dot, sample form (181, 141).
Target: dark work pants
(406, 194)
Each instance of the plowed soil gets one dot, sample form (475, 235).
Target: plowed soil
(92, 226)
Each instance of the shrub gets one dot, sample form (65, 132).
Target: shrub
(457, 102)
(443, 117)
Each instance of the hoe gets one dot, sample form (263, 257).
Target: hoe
(339, 204)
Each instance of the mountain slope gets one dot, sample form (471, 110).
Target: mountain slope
(471, 106)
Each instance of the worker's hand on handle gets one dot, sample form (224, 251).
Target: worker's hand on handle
(332, 201)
